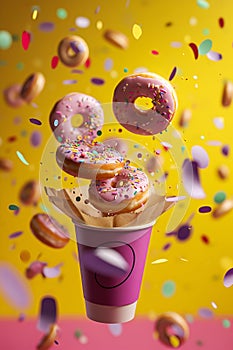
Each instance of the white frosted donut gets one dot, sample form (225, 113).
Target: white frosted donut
(89, 161)
(73, 51)
(80, 105)
(127, 191)
(152, 120)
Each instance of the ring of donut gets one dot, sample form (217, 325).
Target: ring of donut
(73, 51)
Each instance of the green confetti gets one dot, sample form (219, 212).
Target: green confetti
(219, 197)
(5, 40)
(21, 157)
(203, 4)
(205, 47)
(13, 207)
(226, 323)
(61, 13)
(168, 288)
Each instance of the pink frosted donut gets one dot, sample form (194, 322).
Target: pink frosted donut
(84, 107)
(89, 161)
(152, 120)
(127, 191)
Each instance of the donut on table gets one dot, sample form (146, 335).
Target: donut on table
(152, 120)
(73, 51)
(89, 161)
(49, 231)
(168, 320)
(127, 191)
(76, 104)
(32, 87)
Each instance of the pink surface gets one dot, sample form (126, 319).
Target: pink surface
(205, 334)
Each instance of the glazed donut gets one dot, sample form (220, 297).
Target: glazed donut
(30, 193)
(89, 161)
(12, 96)
(48, 339)
(73, 51)
(168, 320)
(71, 105)
(127, 191)
(49, 231)
(32, 87)
(150, 121)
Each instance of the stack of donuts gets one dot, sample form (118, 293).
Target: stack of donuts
(115, 185)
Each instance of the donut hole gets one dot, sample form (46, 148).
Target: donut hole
(143, 103)
(76, 120)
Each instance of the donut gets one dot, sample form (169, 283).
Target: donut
(32, 87)
(6, 164)
(116, 38)
(165, 322)
(12, 96)
(89, 161)
(48, 339)
(62, 117)
(148, 121)
(73, 51)
(30, 193)
(127, 191)
(49, 231)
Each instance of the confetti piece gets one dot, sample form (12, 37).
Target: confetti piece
(137, 31)
(205, 313)
(26, 37)
(36, 138)
(168, 289)
(82, 22)
(25, 255)
(154, 52)
(5, 40)
(46, 26)
(52, 272)
(205, 239)
(13, 207)
(226, 323)
(35, 121)
(184, 232)
(214, 305)
(228, 278)
(35, 12)
(69, 81)
(21, 157)
(203, 4)
(204, 209)
(48, 314)
(159, 261)
(108, 64)
(87, 64)
(221, 22)
(14, 286)
(54, 62)
(115, 329)
(200, 156)
(15, 234)
(195, 50)
(219, 197)
(176, 44)
(205, 47)
(173, 73)
(219, 122)
(191, 179)
(214, 56)
(97, 81)
(61, 13)
(225, 150)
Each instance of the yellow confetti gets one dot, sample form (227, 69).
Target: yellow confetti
(159, 261)
(34, 14)
(174, 341)
(99, 25)
(137, 31)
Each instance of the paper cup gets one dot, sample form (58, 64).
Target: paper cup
(112, 263)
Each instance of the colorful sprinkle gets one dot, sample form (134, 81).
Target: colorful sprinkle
(203, 4)
(221, 22)
(54, 62)
(82, 22)
(204, 209)
(5, 40)
(154, 52)
(226, 323)
(115, 329)
(228, 278)
(46, 26)
(173, 73)
(61, 13)
(200, 156)
(87, 64)
(205, 47)
(159, 261)
(195, 50)
(214, 56)
(35, 12)
(225, 150)
(168, 289)
(219, 197)
(21, 157)
(205, 312)
(97, 81)
(26, 37)
(35, 121)
(13, 207)
(137, 31)
(35, 138)
(205, 239)
(15, 234)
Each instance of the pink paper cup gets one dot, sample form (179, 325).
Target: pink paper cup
(112, 263)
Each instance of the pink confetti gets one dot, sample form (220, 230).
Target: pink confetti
(173, 73)
(26, 37)
(195, 50)
(54, 62)
(154, 52)
(87, 64)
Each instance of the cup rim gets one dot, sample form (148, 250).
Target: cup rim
(120, 228)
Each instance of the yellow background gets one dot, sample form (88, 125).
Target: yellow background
(199, 85)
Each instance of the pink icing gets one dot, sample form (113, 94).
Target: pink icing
(150, 121)
(73, 104)
(128, 183)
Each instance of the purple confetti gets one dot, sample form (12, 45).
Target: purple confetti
(173, 73)
(77, 47)
(200, 156)
(225, 150)
(108, 64)
(214, 143)
(48, 314)
(175, 199)
(15, 234)
(184, 232)
(35, 121)
(52, 272)
(205, 209)
(166, 246)
(205, 313)
(228, 278)
(70, 81)
(214, 56)
(219, 122)
(14, 286)
(46, 26)
(97, 81)
(191, 179)
(77, 71)
(35, 138)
